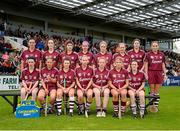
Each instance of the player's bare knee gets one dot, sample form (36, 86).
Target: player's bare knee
(106, 92)
(40, 98)
(115, 96)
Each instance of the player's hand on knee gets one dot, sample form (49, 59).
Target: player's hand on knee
(28, 90)
(119, 90)
(137, 92)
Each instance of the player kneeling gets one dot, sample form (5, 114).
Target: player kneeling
(100, 84)
(136, 89)
(65, 84)
(30, 79)
(48, 81)
(84, 75)
(118, 82)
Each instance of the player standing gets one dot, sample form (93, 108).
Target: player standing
(31, 52)
(155, 69)
(85, 47)
(51, 53)
(103, 53)
(69, 54)
(123, 55)
(137, 54)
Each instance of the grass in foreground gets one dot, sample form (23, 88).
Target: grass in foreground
(167, 118)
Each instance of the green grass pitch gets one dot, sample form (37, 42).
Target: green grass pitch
(167, 118)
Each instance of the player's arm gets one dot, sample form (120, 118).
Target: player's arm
(59, 85)
(78, 84)
(141, 87)
(89, 84)
(130, 87)
(71, 86)
(24, 84)
(164, 70)
(141, 70)
(22, 64)
(35, 85)
(128, 69)
(143, 67)
(106, 86)
(111, 85)
(146, 69)
(95, 86)
(53, 80)
(44, 85)
(126, 85)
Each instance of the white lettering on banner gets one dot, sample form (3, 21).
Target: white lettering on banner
(174, 81)
(9, 83)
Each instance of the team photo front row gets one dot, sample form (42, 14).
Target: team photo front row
(86, 82)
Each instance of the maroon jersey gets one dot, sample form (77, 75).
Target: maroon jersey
(73, 57)
(136, 80)
(84, 76)
(88, 54)
(107, 56)
(30, 77)
(54, 55)
(126, 59)
(67, 77)
(36, 54)
(118, 78)
(53, 73)
(155, 61)
(101, 77)
(137, 56)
